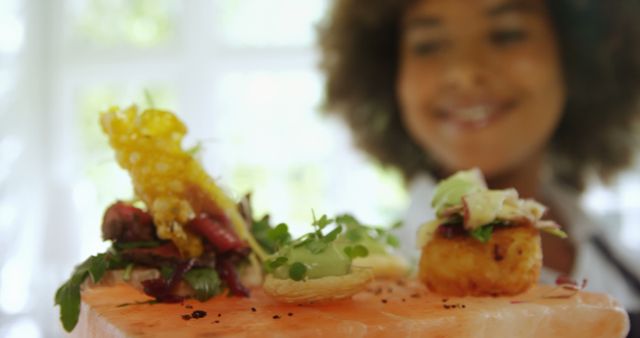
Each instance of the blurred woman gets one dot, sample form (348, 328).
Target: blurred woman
(540, 95)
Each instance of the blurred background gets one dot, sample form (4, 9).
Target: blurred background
(243, 76)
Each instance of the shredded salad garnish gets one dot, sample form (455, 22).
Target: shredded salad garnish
(464, 204)
(344, 238)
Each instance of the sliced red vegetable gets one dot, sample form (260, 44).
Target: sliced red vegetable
(227, 272)
(216, 231)
(126, 223)
(451, 230)
(163, 289)
(156, 256)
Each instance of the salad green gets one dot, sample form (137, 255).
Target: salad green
(328, 250)
(204, 281)
(464, 203)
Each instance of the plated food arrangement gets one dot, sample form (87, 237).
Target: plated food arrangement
(483, 242)
(183, 238)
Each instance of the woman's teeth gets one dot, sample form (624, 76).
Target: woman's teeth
(472, 114)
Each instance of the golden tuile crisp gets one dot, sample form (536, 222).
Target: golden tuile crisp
(173, 185)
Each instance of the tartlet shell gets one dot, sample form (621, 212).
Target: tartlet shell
(319, 289)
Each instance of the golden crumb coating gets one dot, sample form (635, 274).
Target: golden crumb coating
(172, 184)
(508, 264)
(320, 289)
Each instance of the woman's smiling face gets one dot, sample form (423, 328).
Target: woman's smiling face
(480, 81)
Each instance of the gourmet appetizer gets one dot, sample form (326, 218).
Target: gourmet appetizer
(482, 242)
(181, 237)
(322, 266)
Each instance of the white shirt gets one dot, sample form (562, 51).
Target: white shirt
(590, 263)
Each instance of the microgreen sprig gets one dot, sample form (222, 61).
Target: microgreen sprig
(356, 231)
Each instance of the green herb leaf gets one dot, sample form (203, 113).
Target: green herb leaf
(98, 266)
(380, 232)
(483, 233)
(331, 236)
(275, 263)
(270, 238)
(304, 240)
(393, 241)
(260, 230)
(116, 261)
(195, 150)
(356, 251)
(316, 246)
(68, 297)
(346, 219)
(297, 271)
(354, 234)
(94, 265)
(397, 225)
(279, 235)
(322, 222)
(166, 271)
(135, 245)
(357, 232)
(204, 281)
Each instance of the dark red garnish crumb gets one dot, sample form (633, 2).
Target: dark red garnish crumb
(198, 314)
(276, 317)
(289, 314)
(186, 317)
(404, 300)
(497, 254)
(253, 309)
(463, 306)
(384, 301)
(415, 295)
(219, 314)
(217, 321)
(444, 300)
(445, 306)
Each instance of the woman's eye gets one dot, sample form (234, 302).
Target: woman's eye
(507, 37)
(427, 47)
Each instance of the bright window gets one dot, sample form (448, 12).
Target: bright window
(241, 74)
